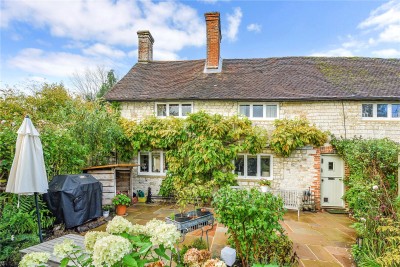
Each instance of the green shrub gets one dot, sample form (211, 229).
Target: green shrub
(371, 193)
(18, 225)
(252, 219)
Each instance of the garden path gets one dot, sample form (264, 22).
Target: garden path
(320, 239)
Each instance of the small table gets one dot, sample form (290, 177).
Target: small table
(48, 246)
(193, 224)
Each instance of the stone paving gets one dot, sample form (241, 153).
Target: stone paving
(319, 239)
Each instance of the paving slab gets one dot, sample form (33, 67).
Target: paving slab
(319, 239)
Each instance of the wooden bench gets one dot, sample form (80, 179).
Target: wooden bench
(292, 199)
(48, 246)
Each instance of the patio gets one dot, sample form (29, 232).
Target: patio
(320, 239)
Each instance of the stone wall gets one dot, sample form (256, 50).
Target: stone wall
(302, 169)
(340, 118)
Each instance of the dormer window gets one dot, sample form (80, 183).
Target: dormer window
(173, 109)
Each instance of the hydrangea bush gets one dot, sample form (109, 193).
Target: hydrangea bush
(123, 244)
(34, 259)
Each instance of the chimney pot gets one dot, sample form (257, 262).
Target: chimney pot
(214, 37)
(145, 46)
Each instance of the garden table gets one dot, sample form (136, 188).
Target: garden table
(48, 246)
(198, 222)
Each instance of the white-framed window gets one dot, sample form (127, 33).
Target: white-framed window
(262, 111)
(173, 109)
(152, 163)
(254, 166)
(380, 111)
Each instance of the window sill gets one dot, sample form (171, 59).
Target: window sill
(380, 119)
(152, 173)
(254, 178)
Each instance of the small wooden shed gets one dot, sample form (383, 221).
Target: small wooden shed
(115, 178)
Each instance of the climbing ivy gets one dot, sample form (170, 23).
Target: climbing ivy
(292, 134)
(200, 149)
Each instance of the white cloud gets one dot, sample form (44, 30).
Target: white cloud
(339, 52)
(103, 50)
(385, 15)
(254, 27)
(59, 64)
(110, 22)
(234, 21)
(388, 53)
(379, 35)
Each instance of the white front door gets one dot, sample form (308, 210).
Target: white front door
(332, 189)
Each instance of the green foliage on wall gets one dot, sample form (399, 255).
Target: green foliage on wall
(371, 195)
(200, 149)
(75, 133)
(292, 134)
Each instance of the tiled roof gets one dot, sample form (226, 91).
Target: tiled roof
(271, 79)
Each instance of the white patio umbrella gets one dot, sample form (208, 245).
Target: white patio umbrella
(28, 173)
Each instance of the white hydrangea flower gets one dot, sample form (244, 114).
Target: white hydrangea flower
(34, 259)
(138, 229)
(162, 233)
(91, 238)
(109, 250)
(62, 250)
(214, 263)
(119, 225)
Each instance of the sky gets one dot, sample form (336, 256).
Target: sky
(49, 40)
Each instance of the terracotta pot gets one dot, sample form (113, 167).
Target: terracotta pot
(120, 210)
(135, 200)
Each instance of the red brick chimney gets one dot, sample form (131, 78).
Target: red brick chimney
(213, 40)
(145, 46)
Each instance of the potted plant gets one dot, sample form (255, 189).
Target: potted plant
(121, 201)
(106, 210)
(264, 185)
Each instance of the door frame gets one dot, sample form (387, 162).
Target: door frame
(343, 187)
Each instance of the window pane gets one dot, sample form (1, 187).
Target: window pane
(186, 109)
(367, 110)
(271, 111)
(244, 110)
(173, 109)
(330, 166)
(265, 166)
(156, 162)
(395, 110)
(165, 163)
(258, 111)
(239, 165)
(144, 162)
(382, 110)
(161, 110)
(251, 165)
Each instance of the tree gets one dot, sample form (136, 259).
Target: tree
(91, 82)
(108, 84)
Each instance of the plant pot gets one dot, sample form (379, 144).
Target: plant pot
(181, 217)
(106, 213)
(134, 200)
(264, 188)
(202, 212)
(142, 199)
(120, 210)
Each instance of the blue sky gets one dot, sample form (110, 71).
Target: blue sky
(49, 40)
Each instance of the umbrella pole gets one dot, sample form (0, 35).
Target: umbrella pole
(38, 217)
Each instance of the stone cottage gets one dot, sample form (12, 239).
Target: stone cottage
(346, 96)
